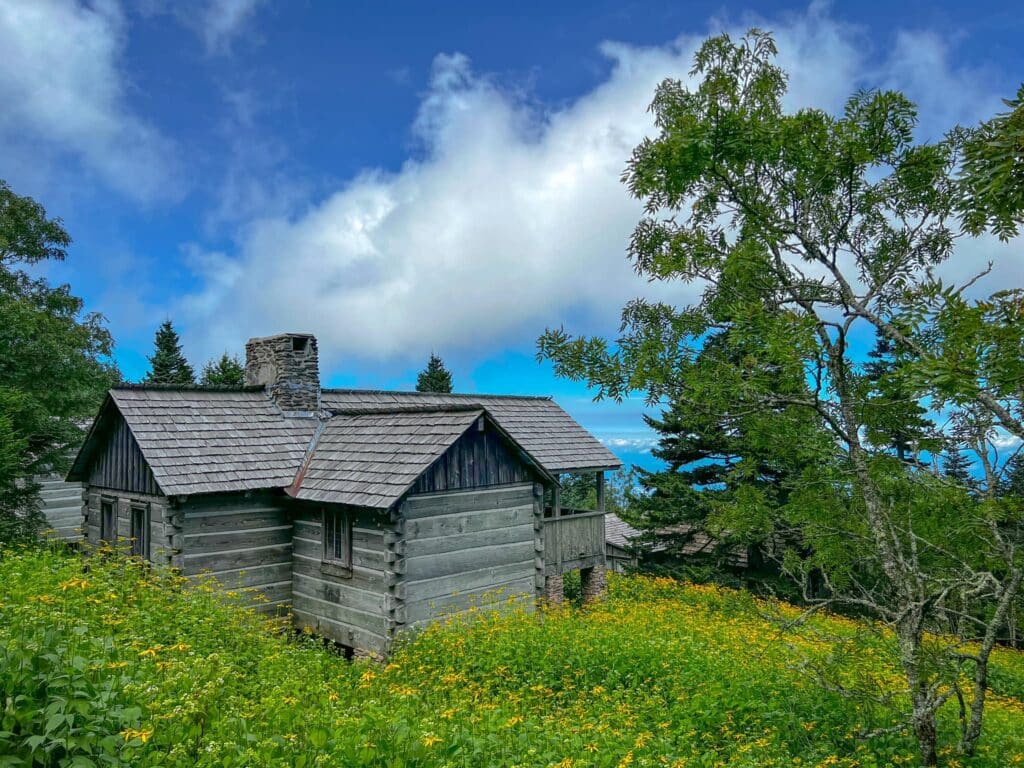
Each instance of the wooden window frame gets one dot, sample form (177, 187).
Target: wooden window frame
(108, 532)
(140, 539)
(336, 560)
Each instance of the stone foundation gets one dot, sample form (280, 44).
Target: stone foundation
(594, 582)
(554, 589)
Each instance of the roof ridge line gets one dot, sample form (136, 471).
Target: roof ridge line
(386, 409)
(414, 393)
(142, 387)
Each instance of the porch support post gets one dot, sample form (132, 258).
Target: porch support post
(594, 582)
(554, 589)
(600, 491)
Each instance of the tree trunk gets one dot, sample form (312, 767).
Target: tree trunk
(908, 637)
(972, 729)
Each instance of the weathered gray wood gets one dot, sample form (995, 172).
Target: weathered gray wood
(479, 598)
(210, 521)
(600, 491)
(119, 464)
(467, 522)
(373, 602)
(481, 457)
(363, 558)
(253, 576)
(336, 611)
(369, 579)
(430, 566)
(239, 558)
(219, 541)
(428, 505)
(452, 542)
(345, 634)
(570, 539)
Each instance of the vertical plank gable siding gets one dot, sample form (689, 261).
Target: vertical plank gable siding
(468, 548)
(244, 541)
(476, 460)
(120, 465)
(355, 610)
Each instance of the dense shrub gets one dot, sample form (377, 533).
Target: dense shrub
(105, 662)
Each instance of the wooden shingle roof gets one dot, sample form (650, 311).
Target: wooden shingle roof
(364, 447)
(538, 424)
(372, 459)
(207, 441)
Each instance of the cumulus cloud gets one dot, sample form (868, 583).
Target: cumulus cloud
(64, 95)
(508, 217)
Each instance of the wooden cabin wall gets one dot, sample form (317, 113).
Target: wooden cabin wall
(120, 464)
(461, 545)
(356, 610)
(63, 505)
(478, 459)
(164, 544)
(243, 540)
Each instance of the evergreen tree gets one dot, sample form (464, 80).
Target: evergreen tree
(228, 371)
(957, 467)
(1013, 477)
(717, 459)
(435, 377)
(168, 364)
(896, 417)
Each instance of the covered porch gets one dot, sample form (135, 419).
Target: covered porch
(574, 540)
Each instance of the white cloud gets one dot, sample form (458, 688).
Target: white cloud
(223, 20)
(509, 218)
(64, 95)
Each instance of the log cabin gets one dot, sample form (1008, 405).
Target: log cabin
(361, 513)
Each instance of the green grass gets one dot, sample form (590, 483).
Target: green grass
(104, 662)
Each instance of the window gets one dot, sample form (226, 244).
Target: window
(337, 539)
(108, 521)
(140, 531)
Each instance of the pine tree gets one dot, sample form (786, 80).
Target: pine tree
(716, 460)
(228, 371)
(435, 377)
(1013, 478)
(957, 467)
(168, 364)
(895, 417)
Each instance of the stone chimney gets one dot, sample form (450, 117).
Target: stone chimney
(288, 367)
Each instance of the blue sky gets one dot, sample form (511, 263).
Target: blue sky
(401, 178)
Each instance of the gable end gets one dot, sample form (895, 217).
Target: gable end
(117, 461)
(479, 458)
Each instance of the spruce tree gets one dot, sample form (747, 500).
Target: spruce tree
(1013, 477)
(896, 417)
(435, 377)
(228, 371)
(957, 467)
(717, 459)
(168, 365)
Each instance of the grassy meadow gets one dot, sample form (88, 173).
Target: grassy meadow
(104, 662)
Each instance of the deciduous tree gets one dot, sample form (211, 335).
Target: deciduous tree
(808, 231)
(54, 362)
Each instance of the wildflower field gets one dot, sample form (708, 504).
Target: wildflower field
(104, 662)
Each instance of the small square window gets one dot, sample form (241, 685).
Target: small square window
(140, 531)
(337, 533)
(299, 343)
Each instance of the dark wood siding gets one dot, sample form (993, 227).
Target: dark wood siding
(478, 459)
(119, 464)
